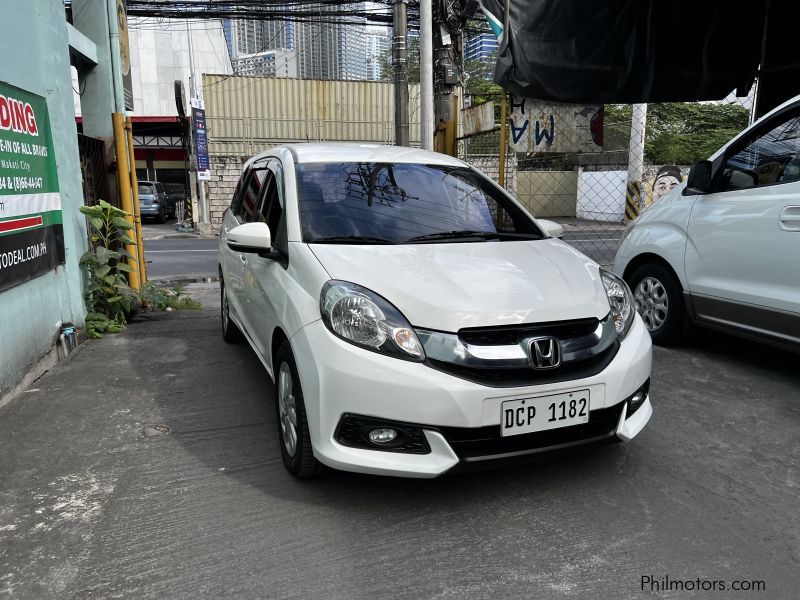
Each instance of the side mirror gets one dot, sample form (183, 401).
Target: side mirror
(700, 178)
(551, 228)
(250, 237)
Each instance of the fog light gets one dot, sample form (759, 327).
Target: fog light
(384, 435)
(637, 399)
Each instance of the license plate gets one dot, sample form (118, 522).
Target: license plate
(544, 412)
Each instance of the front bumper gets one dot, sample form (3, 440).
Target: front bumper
(339, 378)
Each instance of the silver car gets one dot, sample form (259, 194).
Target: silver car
(154, 202)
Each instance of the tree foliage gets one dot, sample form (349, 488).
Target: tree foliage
(678, 133)
(387, 69)
(479, 81)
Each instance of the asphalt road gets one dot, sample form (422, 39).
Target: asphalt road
(598, 244)
(148, 467)
(185, 259)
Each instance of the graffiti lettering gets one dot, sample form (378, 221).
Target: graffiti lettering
(544, 134)
(517, 132)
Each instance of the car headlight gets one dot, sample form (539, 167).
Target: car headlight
(365, 319)
(620, 299)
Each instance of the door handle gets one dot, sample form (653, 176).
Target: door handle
(243, 258)
(790, 218)
(226, 229)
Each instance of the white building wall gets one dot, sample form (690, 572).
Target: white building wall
(160, 55)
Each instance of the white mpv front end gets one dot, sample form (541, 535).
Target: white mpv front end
(418, 320)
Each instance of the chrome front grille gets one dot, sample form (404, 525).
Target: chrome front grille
(586, 347)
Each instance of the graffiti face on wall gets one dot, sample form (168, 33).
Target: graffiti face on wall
(658, 181)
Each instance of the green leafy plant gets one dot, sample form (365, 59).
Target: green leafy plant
(109, 298)
(163, 298)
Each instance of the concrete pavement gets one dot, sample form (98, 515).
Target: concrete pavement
(147, 466)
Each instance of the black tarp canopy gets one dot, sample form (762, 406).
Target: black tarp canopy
(622, 51)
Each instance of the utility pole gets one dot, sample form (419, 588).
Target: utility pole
(426, 74)
(633, 193)
(203, 225)
(445, 41)
(400, 64)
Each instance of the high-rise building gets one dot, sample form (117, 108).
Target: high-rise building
(481, 46)
(269, 63)
(251, 37)
(324, 50)
(378, 53)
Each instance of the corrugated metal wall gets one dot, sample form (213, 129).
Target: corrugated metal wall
(248, 114)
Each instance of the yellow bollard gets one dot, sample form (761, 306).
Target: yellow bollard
(124, 190)
(137, 217)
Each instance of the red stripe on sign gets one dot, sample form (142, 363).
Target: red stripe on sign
(15, 224)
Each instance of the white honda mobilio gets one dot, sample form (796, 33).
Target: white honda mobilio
(415, 319)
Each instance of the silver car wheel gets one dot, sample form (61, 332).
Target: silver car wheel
(651, 302)
(287, 409)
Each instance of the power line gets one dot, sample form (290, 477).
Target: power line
(336, 11)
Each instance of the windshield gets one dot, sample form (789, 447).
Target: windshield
(399, 202)
(146, 188)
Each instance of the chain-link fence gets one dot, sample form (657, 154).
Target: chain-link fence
(594, 168)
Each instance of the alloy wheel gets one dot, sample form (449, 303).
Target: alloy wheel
(287, 409)
(651, 302)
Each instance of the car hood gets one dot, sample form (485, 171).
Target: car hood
(453, 285)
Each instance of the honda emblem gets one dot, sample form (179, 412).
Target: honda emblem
(544, 353)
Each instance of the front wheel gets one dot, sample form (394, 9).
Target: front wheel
(659, 300)
(230, 332)
(290, 411)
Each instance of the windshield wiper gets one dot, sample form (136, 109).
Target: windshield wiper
(466, 233)
(450, 235)
(344, 239)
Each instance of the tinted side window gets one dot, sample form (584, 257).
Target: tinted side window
(771, 157)
(236, 200)
(248, 204)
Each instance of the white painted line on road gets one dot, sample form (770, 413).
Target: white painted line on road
(168, 251)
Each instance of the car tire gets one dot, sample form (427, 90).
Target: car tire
(230, 332)
(160, 218)
(658, 296)
(293, 434)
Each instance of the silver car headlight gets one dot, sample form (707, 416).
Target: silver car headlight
(620, 299)
(362, 317)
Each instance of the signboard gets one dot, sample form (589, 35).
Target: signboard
(200, 141)
(536, 126)
(31, 230)
(125, 54)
